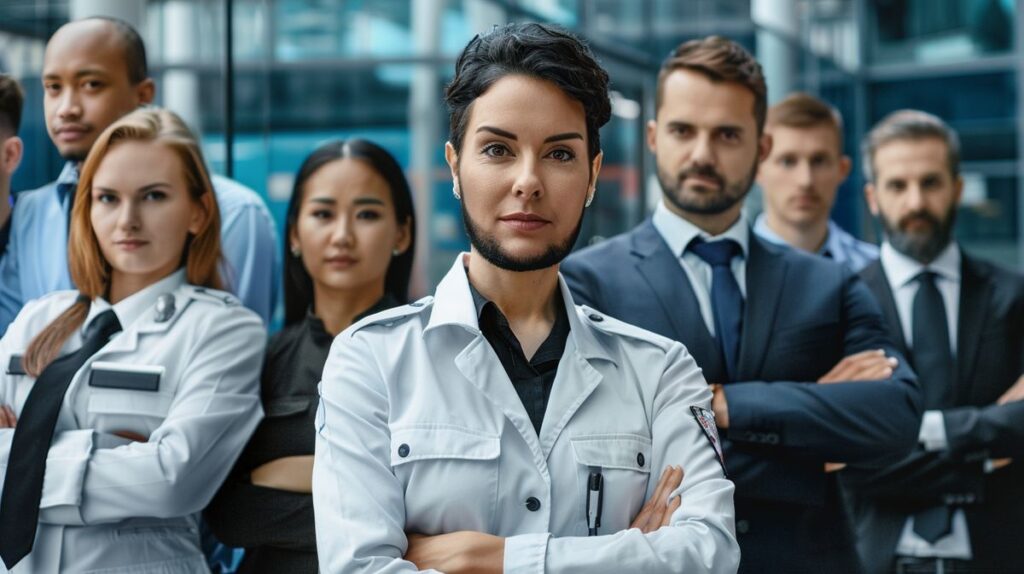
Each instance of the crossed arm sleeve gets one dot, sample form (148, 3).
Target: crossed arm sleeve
(179, 469)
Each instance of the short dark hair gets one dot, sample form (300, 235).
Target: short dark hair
(800, 110)
(12, 98)
(134, 47)
(721, 60)
(298, 285)
(540, 51)
(910, 125)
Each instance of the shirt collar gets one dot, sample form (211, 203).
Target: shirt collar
(134, 306)
(901, 269)
(678, 232)
(833, 240)
(454, 305)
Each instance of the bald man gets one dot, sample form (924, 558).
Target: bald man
(94, 72)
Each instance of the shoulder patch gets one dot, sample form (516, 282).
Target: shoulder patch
(602, 322)
(222, 298)
(392, 316)
(706, 420)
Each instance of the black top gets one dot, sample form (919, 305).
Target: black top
(531, 378)
(276, 526)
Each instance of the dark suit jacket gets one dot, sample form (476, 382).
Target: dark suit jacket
(990, 358)
(803, 314)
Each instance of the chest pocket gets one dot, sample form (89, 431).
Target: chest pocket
(127, 398)
(624, 462)
(450, 477)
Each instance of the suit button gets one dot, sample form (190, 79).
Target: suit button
(640, 459)
(403, 450)
(742, 526)
(596, 318)
(532, 504)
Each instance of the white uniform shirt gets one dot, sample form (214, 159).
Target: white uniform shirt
(902, 272)
(110, 505)
(420, 430)
(678, 233)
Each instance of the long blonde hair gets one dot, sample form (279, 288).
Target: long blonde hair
(90, 270)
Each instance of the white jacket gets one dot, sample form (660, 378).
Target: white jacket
(113, 506)
(420, 430)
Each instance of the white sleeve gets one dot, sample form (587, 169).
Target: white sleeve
(701, 535)
(358, 502)
(177, 472)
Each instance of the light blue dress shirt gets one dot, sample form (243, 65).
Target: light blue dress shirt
(839, 245)
(36, 260)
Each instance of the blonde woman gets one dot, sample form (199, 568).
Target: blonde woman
(124, 403)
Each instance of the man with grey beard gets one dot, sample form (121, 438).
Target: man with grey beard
(956, 503)
(803, 373)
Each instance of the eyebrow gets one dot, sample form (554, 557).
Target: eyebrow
(512, 136)
(78, 74)
(357, 201)
(143, 189)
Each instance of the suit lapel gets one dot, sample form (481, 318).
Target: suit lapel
(664, 273)
(876, 280)
(766, 274)
(975, 292)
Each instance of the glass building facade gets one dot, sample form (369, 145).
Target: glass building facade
(265, 81)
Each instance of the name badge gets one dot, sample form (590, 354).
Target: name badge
(15, 366)
(123, 376)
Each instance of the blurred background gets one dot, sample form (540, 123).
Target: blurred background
(265, 81)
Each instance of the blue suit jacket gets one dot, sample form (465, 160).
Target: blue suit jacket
(803, 314)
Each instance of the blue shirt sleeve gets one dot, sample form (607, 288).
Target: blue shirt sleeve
(250, 247)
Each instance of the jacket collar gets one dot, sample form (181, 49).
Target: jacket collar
(137, 313)
(453, 305)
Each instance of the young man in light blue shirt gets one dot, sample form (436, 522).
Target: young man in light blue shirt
(800, 178)
(94, 72)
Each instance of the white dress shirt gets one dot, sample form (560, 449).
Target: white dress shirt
(678, 233)
(902, 273)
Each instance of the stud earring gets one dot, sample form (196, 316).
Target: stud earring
(296, 252)
(396, 252)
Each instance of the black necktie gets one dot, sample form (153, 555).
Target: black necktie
(26, 466)
(933, 360)
(726, 299)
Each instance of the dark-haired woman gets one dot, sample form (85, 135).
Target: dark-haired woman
(146, 377)
(350, 233)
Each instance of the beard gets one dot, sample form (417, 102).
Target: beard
(922, 247)
(491, 250)
(727, 195)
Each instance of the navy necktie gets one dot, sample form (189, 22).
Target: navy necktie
(933, 361)
(68, 190)
(26, 466)
(726, 298)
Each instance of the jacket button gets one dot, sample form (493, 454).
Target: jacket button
(532, 504)
(596, 318)
(403, 450)
(640, 459)
(742, 526)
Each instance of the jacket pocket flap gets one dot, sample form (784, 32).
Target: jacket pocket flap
(286, 406)
(627, 452)
(126, 402)
(409, 444)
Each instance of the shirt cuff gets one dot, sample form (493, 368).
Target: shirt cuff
(933, 431)
(525, 553)
(65, 470)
